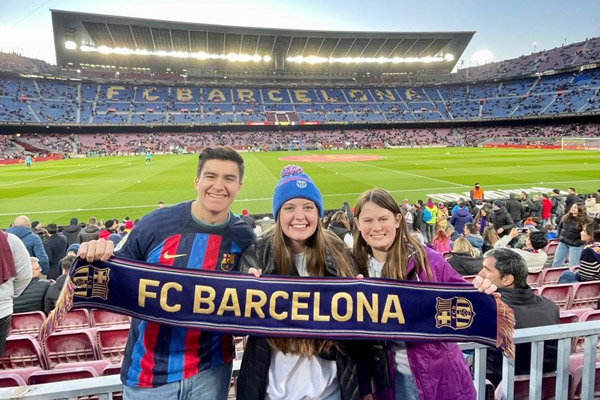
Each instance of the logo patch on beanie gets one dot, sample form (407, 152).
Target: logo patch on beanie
(301, 184)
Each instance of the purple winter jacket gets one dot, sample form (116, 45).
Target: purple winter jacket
(439, 368)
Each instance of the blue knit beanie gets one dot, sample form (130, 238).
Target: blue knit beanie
(294, 183)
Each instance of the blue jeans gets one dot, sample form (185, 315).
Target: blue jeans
(563, 249)
(405, 387)
(568, 277)
(210, 384)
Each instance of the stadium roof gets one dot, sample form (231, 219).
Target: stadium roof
(87, 33)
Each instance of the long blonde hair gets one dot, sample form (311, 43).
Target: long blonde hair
(403, 247)
(462, 245)
(319, 246)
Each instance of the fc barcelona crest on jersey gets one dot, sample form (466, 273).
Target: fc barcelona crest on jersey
(227, 262)
(91, 282)
(456, 313)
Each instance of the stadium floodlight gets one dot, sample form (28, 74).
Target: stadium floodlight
(234, 57)
(368, 60)
(70, 45)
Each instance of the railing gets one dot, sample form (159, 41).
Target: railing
(536, 336)
(105, 386)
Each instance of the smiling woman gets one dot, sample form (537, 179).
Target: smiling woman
(277, 368)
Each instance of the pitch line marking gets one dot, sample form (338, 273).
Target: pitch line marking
(62, 173)
(239, 201)
(411, 174)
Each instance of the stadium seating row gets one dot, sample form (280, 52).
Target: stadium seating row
(43, 102)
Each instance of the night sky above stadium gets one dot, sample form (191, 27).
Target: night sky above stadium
(507, 29)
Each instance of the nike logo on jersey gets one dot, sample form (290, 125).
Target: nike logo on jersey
(168, 256)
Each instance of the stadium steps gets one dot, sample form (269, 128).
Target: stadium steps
(78, 118)
(37, 118)
(31, 147)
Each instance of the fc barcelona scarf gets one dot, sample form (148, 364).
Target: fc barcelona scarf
(313, 307)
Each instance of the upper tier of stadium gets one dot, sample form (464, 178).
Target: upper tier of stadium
(48, 102)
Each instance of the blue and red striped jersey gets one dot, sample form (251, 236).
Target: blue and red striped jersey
(157, 354)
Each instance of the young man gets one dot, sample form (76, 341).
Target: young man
(508, 271)
(535, 258)
(173, 362)
(28, 161)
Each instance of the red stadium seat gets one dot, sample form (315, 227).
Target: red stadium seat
(576, 372)
(60, 375)
(568, 317)
(98, 365)
(10, 380)
(111, 343)
(26, 323)
(22, 352)
(592, 315)
(586, 295)
(75, 319)
(521, 389)
(533, 279)
(100, 318)
(550, 275)
(550, 248)
(559, 294)
(112, 369)
(71, 346)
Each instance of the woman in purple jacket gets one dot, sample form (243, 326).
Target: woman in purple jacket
(384, 248)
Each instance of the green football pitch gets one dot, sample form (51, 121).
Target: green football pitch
(115, 187)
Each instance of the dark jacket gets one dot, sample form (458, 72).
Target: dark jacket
(254, 373)
(88, 233)
(418, 223)
(32, 298)
(530, 311)
(249, 220)
(500, 218)
(71, 231)
(464, 264)
(53, 293)
(527, 206)
(570, 200)
(515, 209)
(33, 244)
(339, 230)
(536, 209)
(460, 218)
(56, 249)
(568, 233)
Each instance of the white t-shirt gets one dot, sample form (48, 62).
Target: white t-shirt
(294, 377)
(399, 348)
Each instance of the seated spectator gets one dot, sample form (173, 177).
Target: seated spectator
(441, 242)
(474, 237)
(508, 271)
(550, 232)
(452, 234)
(32, 298)
(73, 249)
(531, 252)
(54, 290)
(340, 225)
(465, 259)
(589, 264)
(109, 229)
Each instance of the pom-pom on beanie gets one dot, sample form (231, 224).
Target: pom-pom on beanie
(294, 183)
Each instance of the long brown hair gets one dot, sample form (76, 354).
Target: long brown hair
(403, 247)
(322, 243)
(581, 219)
(490, 234)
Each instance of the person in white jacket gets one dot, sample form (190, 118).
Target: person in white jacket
(13, 284)
(532, 252)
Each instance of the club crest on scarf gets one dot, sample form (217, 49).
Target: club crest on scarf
(456, 313)
(91, 282)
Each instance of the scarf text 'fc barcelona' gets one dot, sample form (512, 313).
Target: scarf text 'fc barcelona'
(335, 308)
